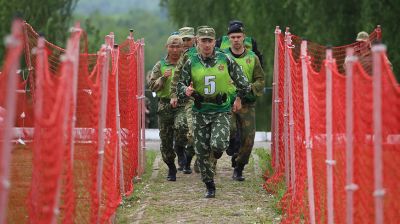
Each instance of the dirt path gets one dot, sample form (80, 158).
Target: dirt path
(182, 201)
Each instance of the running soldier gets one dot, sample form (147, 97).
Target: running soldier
(206, 76)
(160, 82)
(244, 119)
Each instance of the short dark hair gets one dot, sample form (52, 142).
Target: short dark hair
(235, 26)
(233, 22)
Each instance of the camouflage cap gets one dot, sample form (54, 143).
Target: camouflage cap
(206, 32)
(362, 36)
(174, 40)
(187, 32)
(203, 26)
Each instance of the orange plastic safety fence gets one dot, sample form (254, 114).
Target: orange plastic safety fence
(295, 202)
(391, 142)
(272, 180)
(58, 165)
(128, 110)
(9, 80)
(363, 146)
(317, 52)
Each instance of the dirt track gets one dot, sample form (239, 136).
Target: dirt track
(161, 201)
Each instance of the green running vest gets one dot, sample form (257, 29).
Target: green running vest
(210, 81)
(166, 90)
(247, 64)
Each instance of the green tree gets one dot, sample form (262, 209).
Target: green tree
(153, 26)
(336, 25)
(52, 17)
(148, 25)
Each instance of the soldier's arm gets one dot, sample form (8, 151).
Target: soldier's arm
(258, 53)
(177, 74)
(184, 80)
(156, 79)
(239, 79)
(258, 79)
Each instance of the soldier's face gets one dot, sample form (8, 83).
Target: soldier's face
(187, 42)
(206, 46)
(174, 51)
(236, 40)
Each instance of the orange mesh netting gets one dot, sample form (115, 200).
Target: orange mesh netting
(8, 85)
(330, 172)
(69, 164)
(129, 110)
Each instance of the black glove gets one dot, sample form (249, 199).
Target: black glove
(220, 98)
(198, 99)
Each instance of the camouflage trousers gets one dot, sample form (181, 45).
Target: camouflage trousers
(246, 120)
(211, 134)
(168, 132)
(181, 126)
(189, 120)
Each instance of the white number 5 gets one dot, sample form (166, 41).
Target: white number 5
(209, 84)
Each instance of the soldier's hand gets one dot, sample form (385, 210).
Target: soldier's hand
(189, 89)
(168, 73)
(174, 102)
(237, 105)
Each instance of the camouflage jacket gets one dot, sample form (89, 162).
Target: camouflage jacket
(157, 80)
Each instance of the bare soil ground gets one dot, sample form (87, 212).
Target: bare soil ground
(157, 200)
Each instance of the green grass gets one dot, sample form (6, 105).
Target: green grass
(130, 203)
(265, 160)
(266, 165)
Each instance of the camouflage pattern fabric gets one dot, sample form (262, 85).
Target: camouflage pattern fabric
(166, 119)
(189, 120)
(233, 127)
(181, 127)
(234, 140)
(247, 122)
(178, 69)
(189, 150)
(211, 133)
(243, 134)
(211, 128)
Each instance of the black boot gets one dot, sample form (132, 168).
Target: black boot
(180, 152)
(210, 189)
(171, 172)
(238, 172)
(186, 169)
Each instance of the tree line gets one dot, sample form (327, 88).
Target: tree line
(325, 22)
(50, 17)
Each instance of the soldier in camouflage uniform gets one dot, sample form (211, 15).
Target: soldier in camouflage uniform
(245, 117)
(184, 117)
(187, 34)
(249, 42)
(160, 82)
(206, 76)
